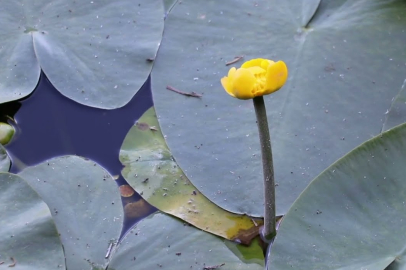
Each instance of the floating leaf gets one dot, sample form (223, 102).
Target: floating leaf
(336, 97)
(28, 237)
(169, 4)
(163, 241)
(353, 215)
(94, 52)
(152, 171)
(397, 112)
(85, 205)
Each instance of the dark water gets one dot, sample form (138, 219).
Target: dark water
(50, 125)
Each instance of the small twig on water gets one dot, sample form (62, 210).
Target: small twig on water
(235, 60)
(14, 262)
(192, 94)
(213, 267)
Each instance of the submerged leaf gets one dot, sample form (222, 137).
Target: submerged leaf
(151, 170)
(6, 133)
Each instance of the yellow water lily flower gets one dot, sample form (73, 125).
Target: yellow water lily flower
(256, 77)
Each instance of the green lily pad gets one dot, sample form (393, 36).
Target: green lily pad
(94, 52)
(4, 160)
(152, 171)
(28, 236)
(160, 241)
(336, 96)
(85, 206)
(396, 115)
(351, 216)
(169, 4)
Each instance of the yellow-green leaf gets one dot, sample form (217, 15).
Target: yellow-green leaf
(151, 170)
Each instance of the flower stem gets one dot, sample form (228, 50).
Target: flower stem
(269, 231)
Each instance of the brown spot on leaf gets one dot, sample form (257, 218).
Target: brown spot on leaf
(142, 126)
(245, 236)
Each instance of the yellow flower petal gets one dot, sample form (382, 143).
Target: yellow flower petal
(258, 62)
(257, 71)
(227, 82)
(231, 72)
(276, 76)
(256, 77)
(244, 82)
(266, 63)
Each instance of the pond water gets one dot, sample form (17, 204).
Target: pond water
(49, 125)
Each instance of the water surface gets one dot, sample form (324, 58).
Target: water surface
(50, 125)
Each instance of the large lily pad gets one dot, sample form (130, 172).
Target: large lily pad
(161, 241)
(352, 216)
(94, 52)
(397, 112)
(152, 171)
(28, 237)
(169, 4)
(346, 63)
(85, 206)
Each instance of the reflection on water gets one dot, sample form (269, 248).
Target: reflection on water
(49, 125)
